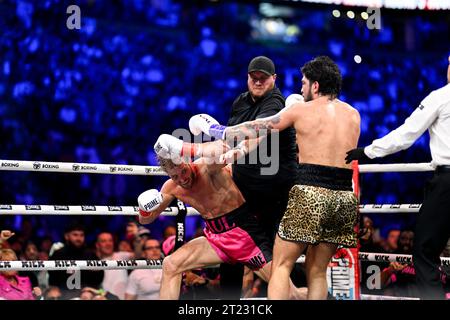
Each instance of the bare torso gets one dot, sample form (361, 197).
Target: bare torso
(326, 130)
(212, 194)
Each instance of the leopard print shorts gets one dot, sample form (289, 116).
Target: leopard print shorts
(316, 214)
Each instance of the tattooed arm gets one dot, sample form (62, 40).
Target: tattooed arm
(260, 127)
(240, 150)
(247, 130)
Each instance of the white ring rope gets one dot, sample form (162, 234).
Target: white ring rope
(39, 265)
(8, 209)
(389, 208)
(43, 265)
(396, 167)
(363, 297)
(379, 297)
(391, 257)
(11, 209)
(70, 167)
(384, 257)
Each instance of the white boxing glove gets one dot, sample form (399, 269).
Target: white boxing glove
(293, 98)
(149, 201)
(168, 146)
(206, 124)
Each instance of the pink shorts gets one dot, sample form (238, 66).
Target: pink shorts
(237, 238)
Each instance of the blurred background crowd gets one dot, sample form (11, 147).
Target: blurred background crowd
(139, 68)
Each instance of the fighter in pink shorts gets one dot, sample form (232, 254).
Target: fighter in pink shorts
(232, 233)
(237, 238)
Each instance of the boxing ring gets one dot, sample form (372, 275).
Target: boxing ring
(346, 261)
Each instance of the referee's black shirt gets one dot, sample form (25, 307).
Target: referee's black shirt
(248, 177)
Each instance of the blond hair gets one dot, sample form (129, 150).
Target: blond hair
(8, 253)
(168, 164)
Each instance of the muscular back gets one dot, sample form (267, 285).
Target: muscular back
(213, 192)
(326, 130)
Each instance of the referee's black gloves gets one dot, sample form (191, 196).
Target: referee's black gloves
(356, 154)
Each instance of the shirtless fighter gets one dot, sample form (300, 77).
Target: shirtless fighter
(232, 234)
(322, 209)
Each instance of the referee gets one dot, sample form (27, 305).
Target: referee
(267, 195)
(433, 223)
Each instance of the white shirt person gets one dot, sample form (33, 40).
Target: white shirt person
(433, 221)
(433, 114)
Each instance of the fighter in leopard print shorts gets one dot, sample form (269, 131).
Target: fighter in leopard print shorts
(322, 207)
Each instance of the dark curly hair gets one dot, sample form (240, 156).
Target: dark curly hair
(326, 72)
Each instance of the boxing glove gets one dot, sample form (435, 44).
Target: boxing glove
(149, 201)
(168, 146)
(206, 124)
(293, 98)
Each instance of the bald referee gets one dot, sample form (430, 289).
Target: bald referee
(433, 223)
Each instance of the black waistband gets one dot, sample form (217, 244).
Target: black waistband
(226, 222)
(442, 169)
(324, 176)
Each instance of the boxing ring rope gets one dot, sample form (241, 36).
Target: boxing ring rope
(52, 265)
(396, 167)
(391, 208)
(71, 167)
(363, 297)
(377, 297)
(13, 209)
(385, 257)
(391, 257)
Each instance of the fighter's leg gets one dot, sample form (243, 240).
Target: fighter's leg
(317, 260)
(285, 254)
(196, 253)
(294, 292)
